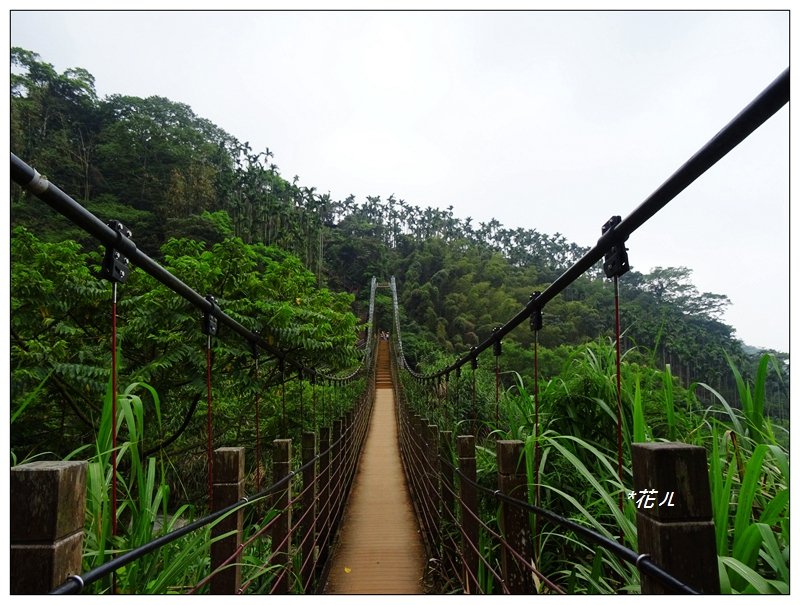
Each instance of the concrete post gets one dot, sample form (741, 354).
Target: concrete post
(309, 510)
(281, 531)
(512, 480)
(679, 538)
(47, 505)
(228, 489)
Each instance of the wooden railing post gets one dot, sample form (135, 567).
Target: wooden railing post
(468, 498)
(48, 502)
(309, 510)
(324, 494)
(674, 521)
(228, 489)
(512, 480)
(281, 536)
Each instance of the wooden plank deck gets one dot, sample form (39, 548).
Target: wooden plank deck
(380, 550)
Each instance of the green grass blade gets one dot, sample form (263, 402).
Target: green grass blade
(782, 461)
(30, 397)
(734, 417)
(744, 504)
(774, 556)
(776, 508)
(724, 580)
(757, 583)
(745, 397)
(760, 393)
(639, 429)
(720, 492)
(747, 546)
(607, 497)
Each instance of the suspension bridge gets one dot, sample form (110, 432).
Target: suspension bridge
(382, 500)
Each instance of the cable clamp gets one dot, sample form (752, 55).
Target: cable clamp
(536, 313)
(210, 325)
(616, 259)
(115, 264)
(38, 185)
(497, 344)
(641, 558)
(78, 580)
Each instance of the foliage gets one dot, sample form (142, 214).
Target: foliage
(60, 330)
(221, 216)
(577, 474)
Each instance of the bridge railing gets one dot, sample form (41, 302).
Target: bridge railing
(300, 513)
(459, 535)
(340, 442)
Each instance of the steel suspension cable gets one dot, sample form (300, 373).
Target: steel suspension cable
(114, 408)
(302, 409)
(537, 433)
(258, 426)
(314, 401)
(283, 399)
(474, 400)
(209, 426)
(497, 389)
(447, 403)
(619, 387)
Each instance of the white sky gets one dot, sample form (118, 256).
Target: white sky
(545, 120)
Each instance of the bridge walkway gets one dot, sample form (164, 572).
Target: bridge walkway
(380, 550)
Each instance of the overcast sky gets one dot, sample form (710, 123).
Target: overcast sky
(545, 120)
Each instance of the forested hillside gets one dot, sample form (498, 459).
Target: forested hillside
(294, 265)
(219, 212)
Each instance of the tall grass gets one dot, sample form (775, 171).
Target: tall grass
(577, 470)
(749, 479)
(143, 510)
